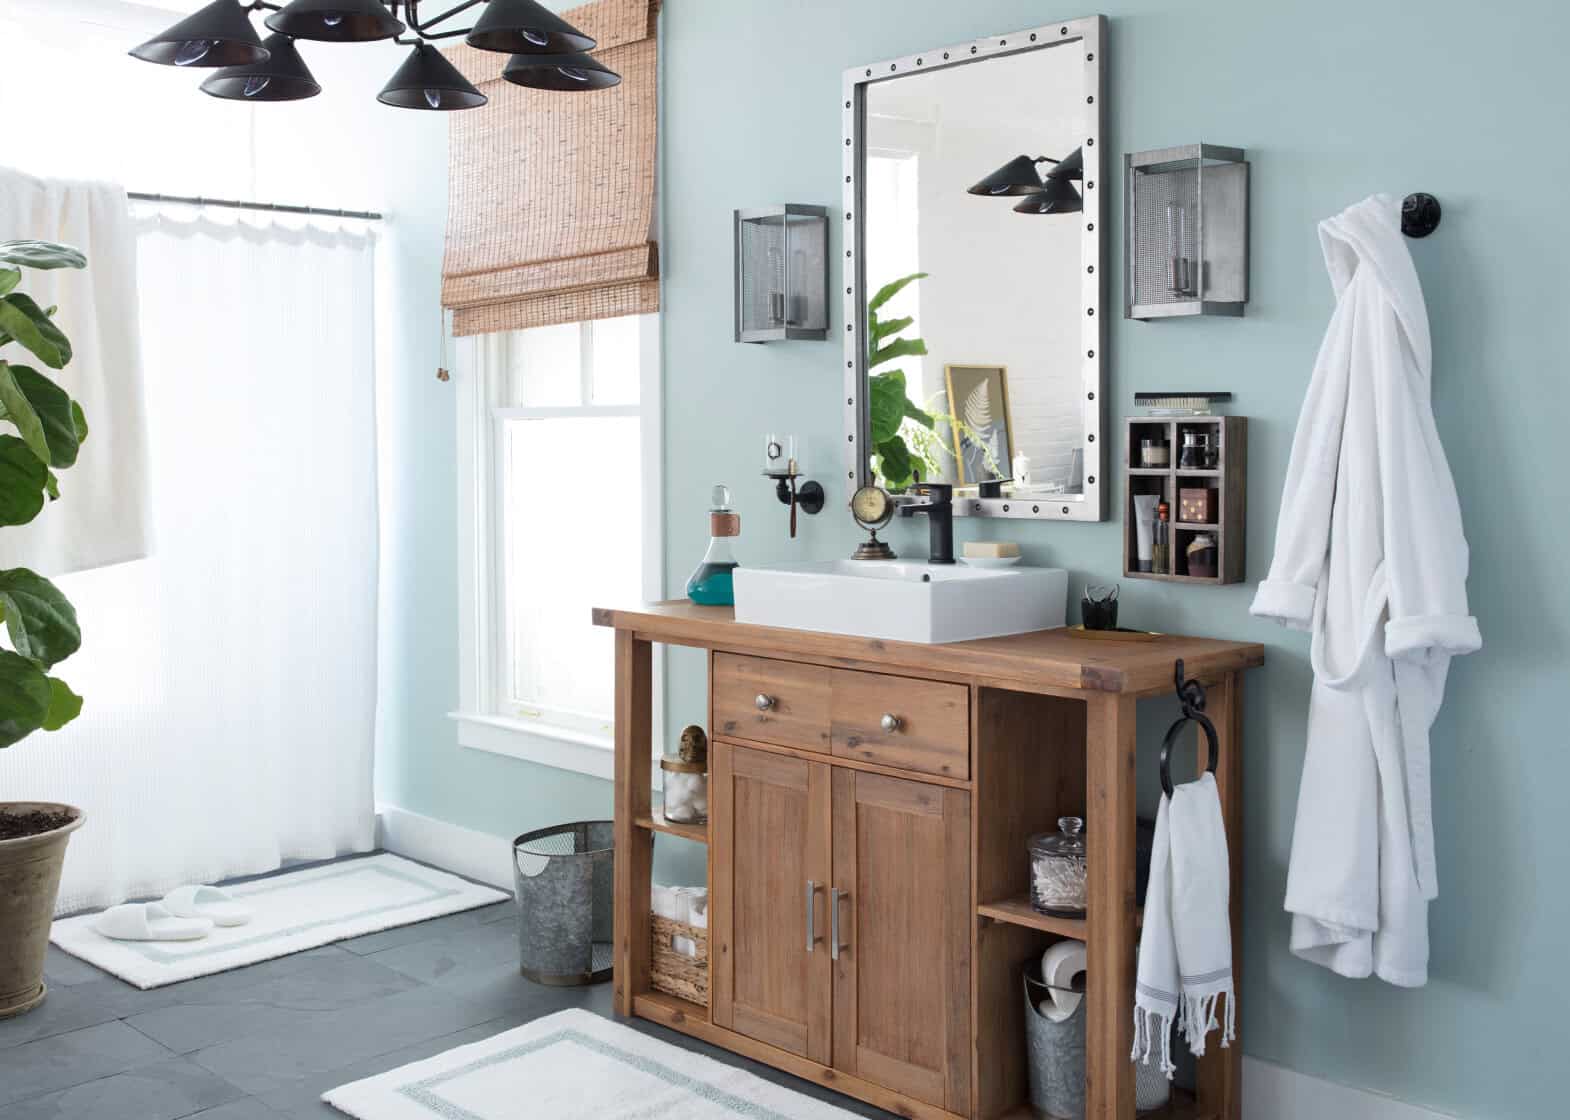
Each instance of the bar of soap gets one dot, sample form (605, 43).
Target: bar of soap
(997, 549)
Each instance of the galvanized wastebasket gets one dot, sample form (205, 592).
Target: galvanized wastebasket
(564, 876)
(1055, 1054)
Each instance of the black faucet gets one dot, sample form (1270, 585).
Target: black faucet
(936, 500)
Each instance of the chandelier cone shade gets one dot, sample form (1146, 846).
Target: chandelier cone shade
(218, 35)
(559, 72)
(1072, 166)
(525, 27)
(282, 77)
(426, 80)
(1017, 176)
(336, 21)
(1057, 197)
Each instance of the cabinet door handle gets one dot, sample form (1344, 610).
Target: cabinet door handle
(891, 723)
(764, 702)
(836, 896)
(812, 918)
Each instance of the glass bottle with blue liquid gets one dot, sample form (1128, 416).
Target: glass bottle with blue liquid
(711, 583)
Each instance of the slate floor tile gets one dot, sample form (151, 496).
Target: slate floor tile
(64, 1009)
(246, 1108)
(73, 1058)
(455, 956)
(427, 931)
(163, 1091)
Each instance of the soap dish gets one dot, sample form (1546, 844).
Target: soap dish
(991, 561)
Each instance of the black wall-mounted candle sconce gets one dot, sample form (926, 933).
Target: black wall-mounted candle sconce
(779, 463)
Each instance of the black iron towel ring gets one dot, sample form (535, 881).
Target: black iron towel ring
(1191, 694)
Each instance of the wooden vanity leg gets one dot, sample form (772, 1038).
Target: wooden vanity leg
(634, 846)
(1221, 1070)
(1109, 980)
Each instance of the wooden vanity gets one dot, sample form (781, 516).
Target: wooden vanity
(870, 806)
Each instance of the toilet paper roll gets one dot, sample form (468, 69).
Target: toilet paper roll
(1059, 966)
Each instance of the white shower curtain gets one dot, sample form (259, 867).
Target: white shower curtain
(230, 678)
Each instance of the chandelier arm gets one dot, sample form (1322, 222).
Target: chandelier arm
(263, 5)
(420, 26)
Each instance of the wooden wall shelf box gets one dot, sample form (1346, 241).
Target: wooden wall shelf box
(828, 834)
(1228, 483)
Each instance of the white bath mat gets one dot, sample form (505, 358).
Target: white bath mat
(573, 1065)
(295, 911)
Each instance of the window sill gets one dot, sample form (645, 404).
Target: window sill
(540, 743)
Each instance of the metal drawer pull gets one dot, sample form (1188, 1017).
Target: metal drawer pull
(812, 919)
(835, 945)
(764, 702)
(891, 723)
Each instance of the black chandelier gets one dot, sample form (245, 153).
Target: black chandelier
(1054, 194)
(547, 51)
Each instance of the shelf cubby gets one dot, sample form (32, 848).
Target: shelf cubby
(1229, 480)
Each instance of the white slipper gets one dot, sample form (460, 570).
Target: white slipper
(214, 903)
(149, 921)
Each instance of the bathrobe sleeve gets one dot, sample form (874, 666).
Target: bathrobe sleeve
(1303, 523)
(1426, 555)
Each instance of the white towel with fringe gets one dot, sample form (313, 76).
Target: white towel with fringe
(1185, 952)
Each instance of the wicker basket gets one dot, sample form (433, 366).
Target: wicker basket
(675, 973)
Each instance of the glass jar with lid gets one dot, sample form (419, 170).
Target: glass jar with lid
(1057, 870)
(684, 779)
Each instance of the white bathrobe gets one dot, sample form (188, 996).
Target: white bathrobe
(1370, 556)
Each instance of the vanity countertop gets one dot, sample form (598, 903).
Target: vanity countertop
(1043, 661)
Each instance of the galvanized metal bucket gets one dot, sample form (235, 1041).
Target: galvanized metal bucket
(1055, 1055)
(564, 877)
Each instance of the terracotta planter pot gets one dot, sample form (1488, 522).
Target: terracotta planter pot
(29, 883)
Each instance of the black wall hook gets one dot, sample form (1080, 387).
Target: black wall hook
(1420, 213)
(1190, 694)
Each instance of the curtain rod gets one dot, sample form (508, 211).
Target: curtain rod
(270, 207)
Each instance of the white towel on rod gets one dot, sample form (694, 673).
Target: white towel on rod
(1185, 951)
(102, 516)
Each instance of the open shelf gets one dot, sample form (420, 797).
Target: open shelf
(1182, 1106)
(1019, 912)
(656, 822)
(1227, 483)
(666, 1007)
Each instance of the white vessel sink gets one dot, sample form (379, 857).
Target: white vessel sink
(904, 601)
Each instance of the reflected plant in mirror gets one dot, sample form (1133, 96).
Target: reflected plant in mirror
(976, 270)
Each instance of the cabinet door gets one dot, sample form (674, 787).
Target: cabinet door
(770, 852)
(902, 967)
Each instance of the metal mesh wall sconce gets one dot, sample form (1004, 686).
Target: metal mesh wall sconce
(782, 274)
(1185, 232)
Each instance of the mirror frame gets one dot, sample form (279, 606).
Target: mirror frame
(1091, 504)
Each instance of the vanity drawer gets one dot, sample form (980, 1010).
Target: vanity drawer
(930, 731)
(771, 701)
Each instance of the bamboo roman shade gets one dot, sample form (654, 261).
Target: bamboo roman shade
(551, 195)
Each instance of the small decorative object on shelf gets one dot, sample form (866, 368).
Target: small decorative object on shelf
(1057, 870)
(685, 779)
(872, 508)
(1098, 608)
(1186, 232)
(1206, 487)
(782, 274)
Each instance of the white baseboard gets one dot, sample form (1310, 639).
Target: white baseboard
(451, 847)
(1270, 1092)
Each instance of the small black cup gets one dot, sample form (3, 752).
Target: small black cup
(1099, 613)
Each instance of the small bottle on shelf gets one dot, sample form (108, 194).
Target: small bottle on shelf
(1161, 543)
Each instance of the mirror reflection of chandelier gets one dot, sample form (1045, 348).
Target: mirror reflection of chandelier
(546, 51)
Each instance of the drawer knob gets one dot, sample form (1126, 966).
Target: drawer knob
(891, 723)
(764, 702)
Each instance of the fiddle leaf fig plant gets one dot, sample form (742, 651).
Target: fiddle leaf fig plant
(888, 405)
(41, 431)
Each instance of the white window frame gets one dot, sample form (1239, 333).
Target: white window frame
(571, 743)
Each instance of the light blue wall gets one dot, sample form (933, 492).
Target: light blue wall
(1333, 100)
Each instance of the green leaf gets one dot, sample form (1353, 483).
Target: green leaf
(31, 326)
(52, 486)
(41, 254)
(23, 477)
(55, 410)
(899, 348)
(64, 705)
(25, 697)
(886, 402)
(894, 463)
(880, 331)
(20, 411)
(9, 279)
(892, 289)
(79, 422)
(38, 617)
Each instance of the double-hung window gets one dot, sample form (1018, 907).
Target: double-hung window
(559, 500)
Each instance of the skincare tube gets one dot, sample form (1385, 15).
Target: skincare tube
(1144, 527)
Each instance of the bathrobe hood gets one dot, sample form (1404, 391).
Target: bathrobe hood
(1370, 557)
